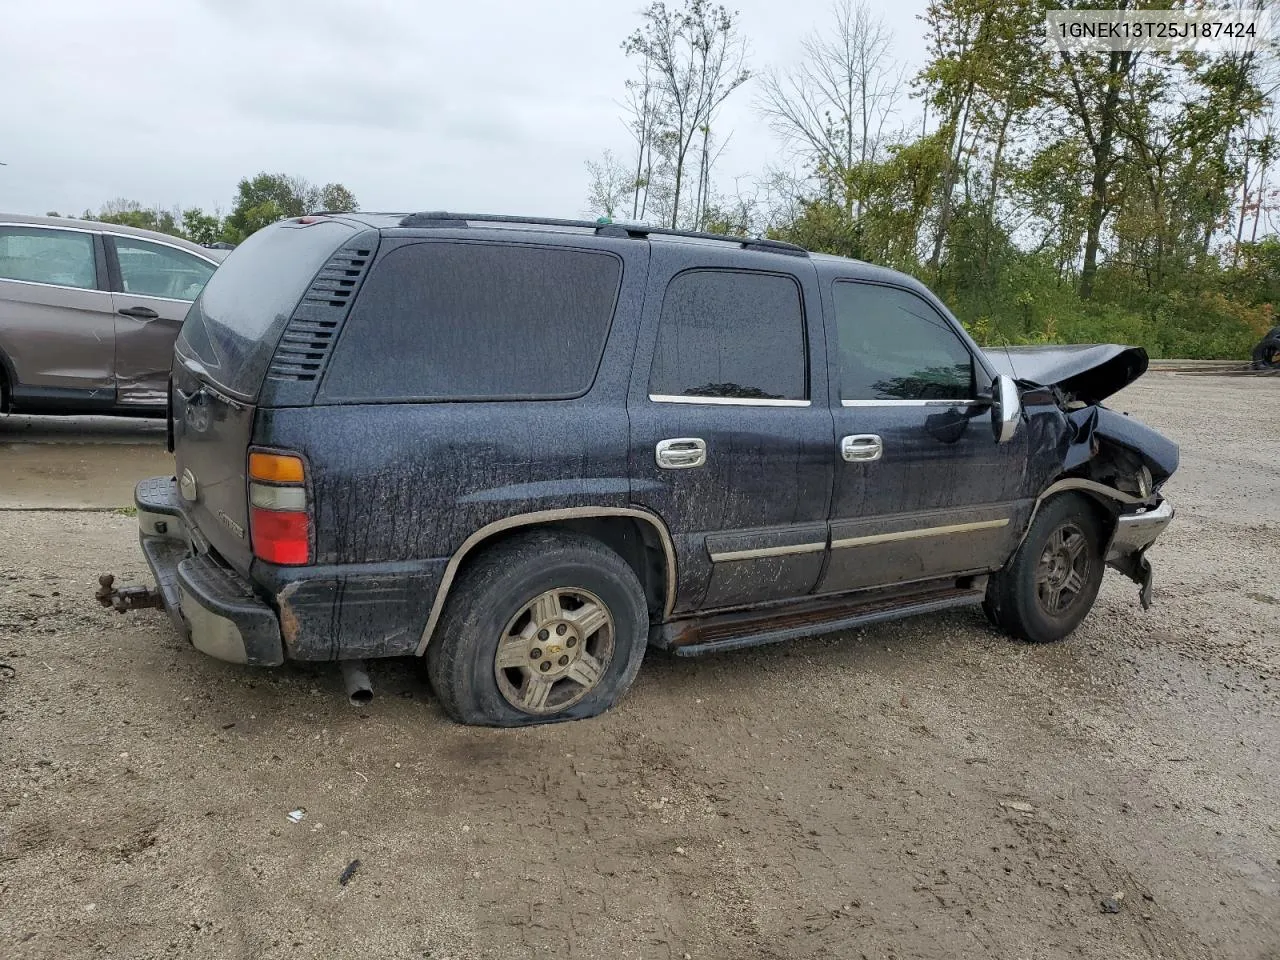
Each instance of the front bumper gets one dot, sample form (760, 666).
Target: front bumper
(1137, 531)
(209, 602)
(1134, 533)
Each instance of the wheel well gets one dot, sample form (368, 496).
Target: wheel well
(636, 541)
(1105, 509)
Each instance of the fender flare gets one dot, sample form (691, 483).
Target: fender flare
(1099, 491)
(541, 517)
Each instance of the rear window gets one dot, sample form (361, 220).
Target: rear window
(442, 320)
(232, 328)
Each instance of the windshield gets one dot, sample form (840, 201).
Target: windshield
(232, 329)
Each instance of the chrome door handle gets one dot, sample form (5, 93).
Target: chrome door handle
(680, 453)
(861, 448)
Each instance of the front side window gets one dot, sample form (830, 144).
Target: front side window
(892, 345)
(61, 257)
(477, 321)
(731, 334)
(154, 270)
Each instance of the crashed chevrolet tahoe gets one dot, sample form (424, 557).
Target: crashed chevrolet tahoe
(527, 450)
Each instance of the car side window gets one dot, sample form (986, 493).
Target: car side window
(60, 257)
(477, 321)
(731, 334)
(893, 345)
(154, 270)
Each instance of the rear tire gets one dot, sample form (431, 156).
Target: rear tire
(548, 626)
(1049, 586)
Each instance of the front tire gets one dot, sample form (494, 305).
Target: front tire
(545, 627)
(1049, 586)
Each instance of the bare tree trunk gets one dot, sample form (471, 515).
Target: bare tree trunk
(1257, 210)
(648, 179)
(993, 193)
(675, 200)
(1097, 213)
(1119, 65)
(950, 177)
(704, 178)
(1244, 203)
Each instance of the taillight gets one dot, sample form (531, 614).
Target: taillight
(279, 519)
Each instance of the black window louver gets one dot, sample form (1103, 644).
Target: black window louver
(313, 328)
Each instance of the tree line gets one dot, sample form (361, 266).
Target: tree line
(260, 200)
(1046, 196)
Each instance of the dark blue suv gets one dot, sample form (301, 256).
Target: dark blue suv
(526, 450)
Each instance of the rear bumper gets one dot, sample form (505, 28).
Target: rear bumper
(322, 612)
(209, 602)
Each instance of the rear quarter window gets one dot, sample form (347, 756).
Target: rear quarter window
(233, 327)
(441, 320)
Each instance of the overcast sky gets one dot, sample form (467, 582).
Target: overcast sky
(477, 105)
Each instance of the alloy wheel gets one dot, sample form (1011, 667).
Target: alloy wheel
(1063, 570)
(554, 651)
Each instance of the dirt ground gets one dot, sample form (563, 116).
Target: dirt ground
(919, 789)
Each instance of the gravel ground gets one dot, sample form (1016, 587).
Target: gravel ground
(919, 789)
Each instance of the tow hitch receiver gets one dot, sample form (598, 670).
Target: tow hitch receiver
(124, 599)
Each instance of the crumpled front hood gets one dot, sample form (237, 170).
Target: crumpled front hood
(1089, 372)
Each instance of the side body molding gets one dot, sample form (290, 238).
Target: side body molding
(549, 516)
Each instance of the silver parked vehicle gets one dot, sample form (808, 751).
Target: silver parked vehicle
(89, 312)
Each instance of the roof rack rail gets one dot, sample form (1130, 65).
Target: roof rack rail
(603, 227)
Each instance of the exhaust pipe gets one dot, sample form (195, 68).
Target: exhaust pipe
(356, 679)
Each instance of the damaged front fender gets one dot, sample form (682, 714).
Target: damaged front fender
(1109, 439)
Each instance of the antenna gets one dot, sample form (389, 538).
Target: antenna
(1008, 356)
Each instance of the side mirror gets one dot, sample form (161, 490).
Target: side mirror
(1006, 408)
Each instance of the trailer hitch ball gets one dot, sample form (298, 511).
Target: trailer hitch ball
(124, 599)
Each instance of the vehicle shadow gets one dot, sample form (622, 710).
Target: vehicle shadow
(19, 428)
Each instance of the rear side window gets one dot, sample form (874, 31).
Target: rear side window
(895, 346)
(730, 334)
(232, 329)
(476, 321)
(60, 257)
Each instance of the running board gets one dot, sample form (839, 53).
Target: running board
(732, 631)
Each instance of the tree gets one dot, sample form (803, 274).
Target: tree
(697, 59)
(333, 197)
(643, 107)
(201, 227)
(835, 104)
(130, 213)
(610, 184)
(981, 76)
(269, 197)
